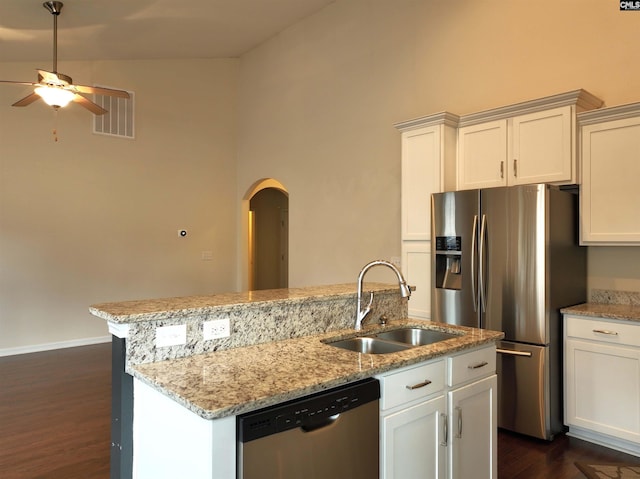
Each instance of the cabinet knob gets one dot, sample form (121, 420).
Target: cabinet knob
(502, 169)
(515, 168)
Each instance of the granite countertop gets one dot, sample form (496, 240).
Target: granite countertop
(136, 311)
(627, 312)
(234, 381)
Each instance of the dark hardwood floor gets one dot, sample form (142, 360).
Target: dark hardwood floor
(55, 420)
(55, 414)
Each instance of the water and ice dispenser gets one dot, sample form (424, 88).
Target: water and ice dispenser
(448, 262)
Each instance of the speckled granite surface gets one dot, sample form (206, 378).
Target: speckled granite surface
(606, 296)
(167, 308)
(255, 317)
(234, 381)
(275, 351)
(610, 304)
(625, 312)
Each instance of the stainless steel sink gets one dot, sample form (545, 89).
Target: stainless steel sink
(415, 336)
(369, 345)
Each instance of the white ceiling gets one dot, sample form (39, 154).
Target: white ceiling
(145, 29)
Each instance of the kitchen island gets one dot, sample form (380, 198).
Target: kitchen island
(187, 395)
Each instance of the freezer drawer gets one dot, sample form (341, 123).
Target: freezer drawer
(528, 390)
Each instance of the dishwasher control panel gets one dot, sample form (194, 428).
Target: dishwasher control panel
(308, 412)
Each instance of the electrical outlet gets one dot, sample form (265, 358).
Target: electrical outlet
(396, 261)
(216, 329)
(171, 335)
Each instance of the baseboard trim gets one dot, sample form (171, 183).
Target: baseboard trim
(50, 346)
(622, 445)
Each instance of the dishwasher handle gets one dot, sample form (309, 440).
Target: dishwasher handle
(325, 422)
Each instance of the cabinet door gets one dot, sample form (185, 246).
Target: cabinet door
(411, 442)
(473, 426)
(603, 388)
(482, 155)
(542, 147)
(416, 268)
(421, 176)
(610, 194)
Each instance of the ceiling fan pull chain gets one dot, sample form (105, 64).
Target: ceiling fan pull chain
(54, 131)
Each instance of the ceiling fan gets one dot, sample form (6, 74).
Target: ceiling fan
(57, 89)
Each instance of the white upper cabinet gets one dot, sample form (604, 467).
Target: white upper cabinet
(482, 155)
(525, 143)
(428, 144)
(610, 151)
(428, 166)
(542, 147)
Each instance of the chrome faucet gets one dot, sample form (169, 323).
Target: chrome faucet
(405, 289)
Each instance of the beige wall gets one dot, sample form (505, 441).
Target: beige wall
(317, 105)
(92, 218)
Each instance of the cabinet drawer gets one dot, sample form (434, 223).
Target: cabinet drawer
(609, 331)
(472, 365)
(410, 384)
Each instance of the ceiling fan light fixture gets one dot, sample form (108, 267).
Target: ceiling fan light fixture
(57, 89)
(56, 97)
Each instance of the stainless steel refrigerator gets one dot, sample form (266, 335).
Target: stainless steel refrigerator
(508, 259)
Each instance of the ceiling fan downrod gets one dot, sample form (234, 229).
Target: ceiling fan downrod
(54, 8)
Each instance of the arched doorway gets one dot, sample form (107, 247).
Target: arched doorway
(266, 216)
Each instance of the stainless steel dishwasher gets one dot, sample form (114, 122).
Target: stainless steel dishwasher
(327, 435)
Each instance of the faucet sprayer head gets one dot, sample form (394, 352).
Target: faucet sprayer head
(405, 290)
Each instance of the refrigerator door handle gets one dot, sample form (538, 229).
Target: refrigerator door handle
(481, 261)
(474, 260)
(511, 352)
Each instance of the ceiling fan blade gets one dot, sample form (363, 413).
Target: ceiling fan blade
(89, 105)
(101, 91)
(20, 82)
(27, 100)
(47, 77)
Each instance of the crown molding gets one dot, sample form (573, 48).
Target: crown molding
(442, 118)
(619, 112)
(582, 99)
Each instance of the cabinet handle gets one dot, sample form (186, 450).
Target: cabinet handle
(511, 352)
(515, 168)
(445, 430)
(459, 412)
(606, 331)
(477, 365)
(419, 385)
(502, 169)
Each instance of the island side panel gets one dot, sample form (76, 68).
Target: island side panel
(169, 441)
(121, 412)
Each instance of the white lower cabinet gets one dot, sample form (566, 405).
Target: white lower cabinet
(439, 419)
(412, 441)
(602, 382)
(473, 430)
